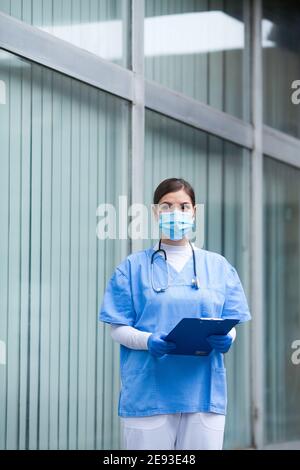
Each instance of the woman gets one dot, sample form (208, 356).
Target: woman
(170, 401)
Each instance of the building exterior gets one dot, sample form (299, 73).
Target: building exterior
(105, 98)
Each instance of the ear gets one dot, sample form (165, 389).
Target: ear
(155, 210)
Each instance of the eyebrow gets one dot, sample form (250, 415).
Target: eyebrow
(170, 203)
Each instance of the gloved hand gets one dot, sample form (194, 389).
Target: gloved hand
(220, 343)
(157, 346)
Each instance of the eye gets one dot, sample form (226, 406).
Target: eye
(164, 207)
(186, 207)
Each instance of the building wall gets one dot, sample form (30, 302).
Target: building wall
(101, 99)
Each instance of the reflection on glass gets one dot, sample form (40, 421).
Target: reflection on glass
(198, 50)
(192, 33)
(282, 301)
(219, 172)
(281, 64)
(98, 26)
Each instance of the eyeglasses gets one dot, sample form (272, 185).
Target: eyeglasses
(166, 207)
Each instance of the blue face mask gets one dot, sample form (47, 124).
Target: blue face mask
(175, 225)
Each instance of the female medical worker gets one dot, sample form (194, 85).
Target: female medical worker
(171, 401)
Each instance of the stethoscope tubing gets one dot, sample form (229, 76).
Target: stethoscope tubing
(195, 281)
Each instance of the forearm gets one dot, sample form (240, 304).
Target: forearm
(136, 339)
(129, 336)
(232, 333)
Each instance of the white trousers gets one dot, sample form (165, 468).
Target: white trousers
(189, 431)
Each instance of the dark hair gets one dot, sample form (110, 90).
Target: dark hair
(171, 185)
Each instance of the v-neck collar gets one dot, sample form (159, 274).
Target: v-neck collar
(169, 264)
(173, 273)
(183, 267)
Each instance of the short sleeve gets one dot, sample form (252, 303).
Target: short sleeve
(235, 305)
(117, 306)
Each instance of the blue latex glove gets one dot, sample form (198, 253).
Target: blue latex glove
(157, 346)
(220, 343)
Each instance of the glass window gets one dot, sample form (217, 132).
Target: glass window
(98, 26)
(197, 48)
(281, 65)
(282, 301)
(219, 172)
(64, 151)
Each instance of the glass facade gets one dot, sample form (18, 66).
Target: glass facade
(72, 142)
(281, 64)
(198, 48)
(98, 26)
(282, 299)
(219, 172)
(64, 151)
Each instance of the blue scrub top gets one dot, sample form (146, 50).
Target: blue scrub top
(171, 383)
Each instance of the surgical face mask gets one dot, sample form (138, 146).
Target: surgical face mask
(175, 225)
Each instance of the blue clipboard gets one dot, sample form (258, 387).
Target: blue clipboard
(190, 334)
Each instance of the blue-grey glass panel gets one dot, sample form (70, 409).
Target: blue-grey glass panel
(64, 151)
(219, 172)
(282, 301)
(281, 65)
(98, 26)
(197, 47)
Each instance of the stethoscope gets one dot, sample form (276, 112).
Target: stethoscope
(195, 281)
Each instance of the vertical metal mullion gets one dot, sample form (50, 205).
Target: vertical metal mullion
(246, 155)
(247, 61)
(257, 265)
(138, 108)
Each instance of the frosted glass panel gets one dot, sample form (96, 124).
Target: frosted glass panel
(98, 26)
(281, 64)
(282, 301)
(219, 172)
(197, 48)
(64, 151)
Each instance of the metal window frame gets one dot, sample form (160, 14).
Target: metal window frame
(45, 49)
(256, 231)
(138, 108)
(30, 43)
(200, 115)
(281, 146)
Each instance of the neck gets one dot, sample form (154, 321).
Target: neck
(167, 241)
